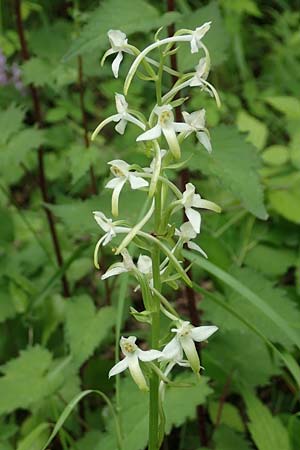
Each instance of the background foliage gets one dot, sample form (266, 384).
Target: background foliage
(56, 316)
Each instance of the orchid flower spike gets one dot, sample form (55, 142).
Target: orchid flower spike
(190, 200)
(121, 170)
(127, 265)
(119, 44)
(166, 126)
(186, 336)
(133, 354)
(196, 122)
(186, 233)
(122, 117)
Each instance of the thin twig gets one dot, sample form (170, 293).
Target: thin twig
(84, 121)
(41, 167)
(223, 399)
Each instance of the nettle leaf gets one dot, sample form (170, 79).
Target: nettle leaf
(271, 260)
(227, 439)
(81, 159)
(37, 71)
(241, 356)
(256, 129)
(10, 122)
(216, 39)
(267, 431)
(24, 379)
(235, 163)
(275, 297)
(131, 16)
(181, 402)
(180, 405)
(86, 328)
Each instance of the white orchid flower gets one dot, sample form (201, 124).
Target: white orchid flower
(186, 336)
(110, 228)
(166, 126)
(119, 45)
(151, 168)
(186, 233)
(127, 265)
(133, 354)
(194, 37)
(196, 122)
(190, 200)
(200, 79)
(122, 117)
(197, 35)
(121, 170)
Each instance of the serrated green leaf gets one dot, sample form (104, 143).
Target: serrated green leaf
(266, 430)
(24, 379)
(270, 260)
(85, 327)
(37, 71)
(233, 161)
(131, 16)
(230, 415)
(10, 122)
(256, 129)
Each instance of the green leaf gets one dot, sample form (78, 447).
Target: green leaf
(24, 379)
(290, 106)
(269, 260)
(180, 403)
(216, 39)
(227, 439)
(248, 293)
(266, 430)
(10, 122)
(257, 130)
(34, 440)
(275, 155)
(286, 203)
(230, 415)
(37, 71)
(233, 161)
(86, 328)
(131, 16)
(81, 159)
(240, 356)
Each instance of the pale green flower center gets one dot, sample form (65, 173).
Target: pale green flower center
(129, 348)
(166, 118)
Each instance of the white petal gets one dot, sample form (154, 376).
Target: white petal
(113, 271)
(172, 350)
(194, 246)
(172, 141)
(153, 133)
(137, 182)
(106, 54)
(113, 183)
(121, 126)
(194, 46)
(136, 372)
(202, 333)
(115, 196)
(119, 367)
(180, 127)
(101, 220)
(117, 38)
(189, 348)
(116, 64)
(121, 103)
(132, 119)
(144, 264)
(148, 355)
(207, 204)
(204, 140)
(194, 218)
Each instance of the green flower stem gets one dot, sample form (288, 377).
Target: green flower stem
(155, 332)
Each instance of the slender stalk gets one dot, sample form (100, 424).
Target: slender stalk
(189, 292)
(154, 380)
(84, 121)
(41, 166)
